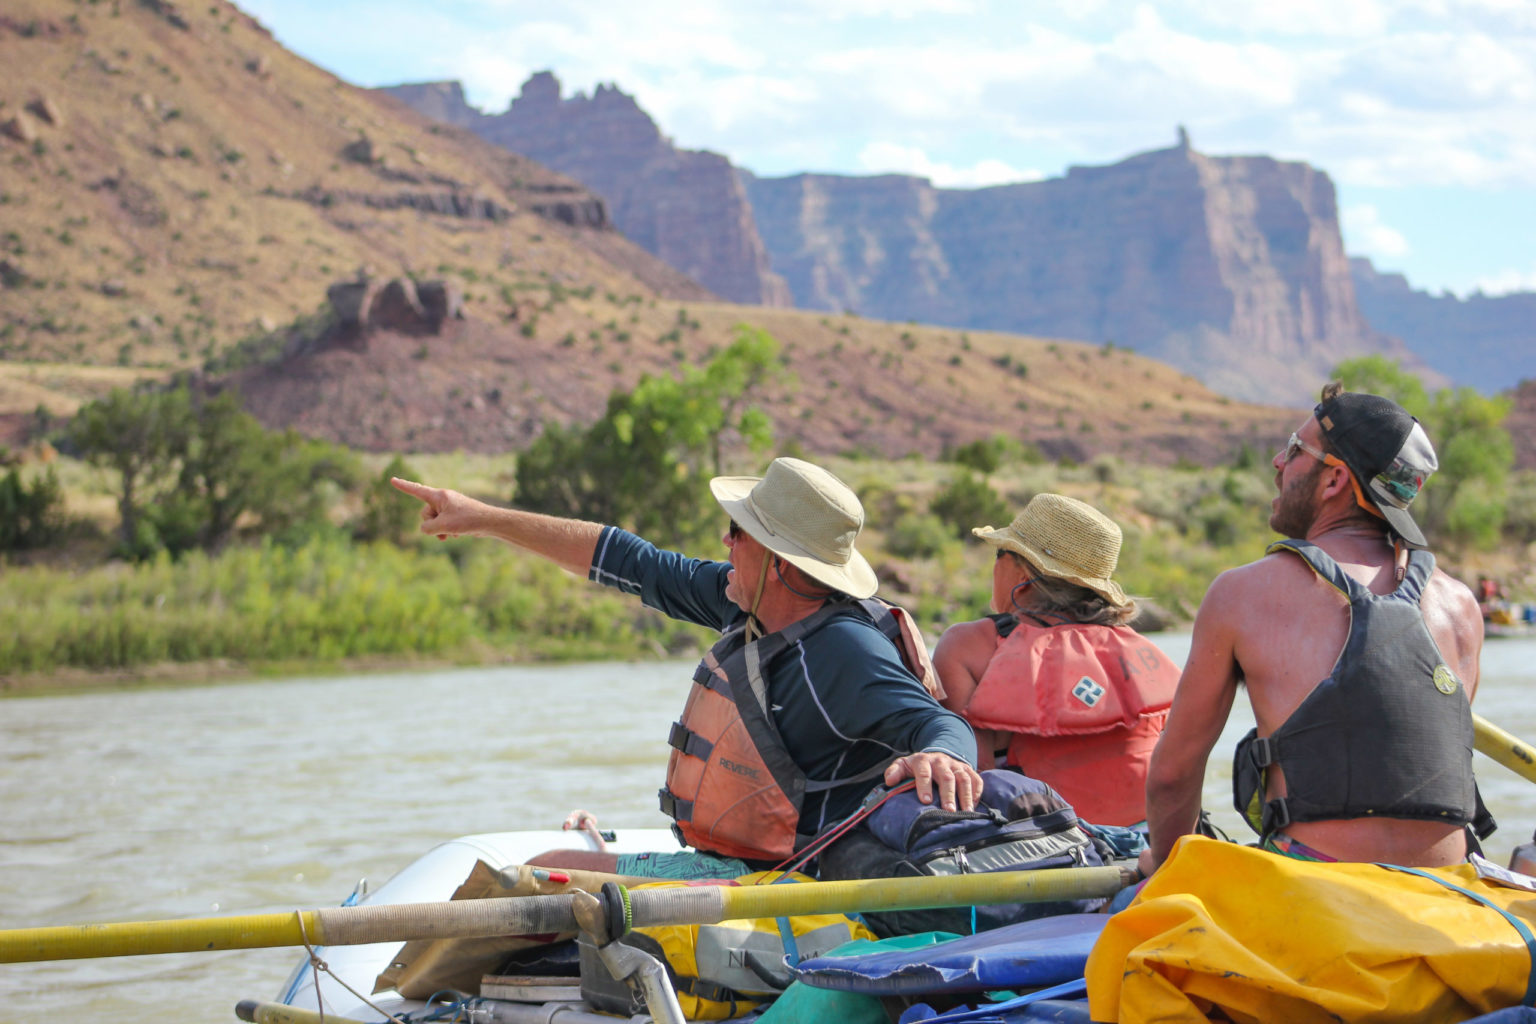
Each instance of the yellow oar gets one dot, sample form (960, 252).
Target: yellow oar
(1510, 751)
(532, 915)
(259, 1012)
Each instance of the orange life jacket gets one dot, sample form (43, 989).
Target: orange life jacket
(732, 787)
(1085, 705)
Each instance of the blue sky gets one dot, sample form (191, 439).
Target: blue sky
(1423, 112)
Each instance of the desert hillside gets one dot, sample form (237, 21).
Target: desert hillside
(175, 181)
(184, 195)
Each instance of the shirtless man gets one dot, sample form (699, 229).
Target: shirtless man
(1364, 755)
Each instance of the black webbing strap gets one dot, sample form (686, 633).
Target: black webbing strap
(682, 738)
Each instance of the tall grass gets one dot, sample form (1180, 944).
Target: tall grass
(326, 600)
(476, 601)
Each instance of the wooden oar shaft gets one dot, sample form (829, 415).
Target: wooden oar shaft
(1510, 751)
(258, 1012)
(534, 915)
(333, 926)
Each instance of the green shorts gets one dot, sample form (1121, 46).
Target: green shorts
(682, 865)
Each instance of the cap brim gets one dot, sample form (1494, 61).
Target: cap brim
(1401, 522)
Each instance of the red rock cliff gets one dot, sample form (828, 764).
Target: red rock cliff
(685, 206)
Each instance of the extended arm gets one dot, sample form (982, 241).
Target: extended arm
(569, 543)
(1201, 705)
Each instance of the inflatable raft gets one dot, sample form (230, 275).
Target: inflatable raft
(1222, 927)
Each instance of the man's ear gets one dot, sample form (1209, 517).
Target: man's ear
(1337, 481)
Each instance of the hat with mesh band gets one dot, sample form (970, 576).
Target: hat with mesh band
(1387, 451)
(806, 516)
(1065, 539)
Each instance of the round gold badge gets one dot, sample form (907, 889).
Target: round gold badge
(1445, 680)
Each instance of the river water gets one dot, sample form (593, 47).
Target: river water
(277, 794)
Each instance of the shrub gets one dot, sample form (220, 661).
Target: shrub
(918, 536)
(30, 513)
(969, 501)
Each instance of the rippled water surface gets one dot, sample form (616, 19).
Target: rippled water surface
(245, 798)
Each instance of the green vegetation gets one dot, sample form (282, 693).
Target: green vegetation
(29, 510)
(260, 548)
(324, 600)
(191, 470)
(646, 463)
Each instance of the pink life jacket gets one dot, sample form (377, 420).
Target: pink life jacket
(1084, 704)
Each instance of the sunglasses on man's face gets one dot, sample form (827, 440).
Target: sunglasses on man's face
(1295, 446)
(734, 531)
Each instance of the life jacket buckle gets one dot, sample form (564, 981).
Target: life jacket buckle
(1277, 815)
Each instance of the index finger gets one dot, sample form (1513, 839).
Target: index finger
(428, 494)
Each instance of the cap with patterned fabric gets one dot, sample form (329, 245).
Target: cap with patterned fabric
(1387, 451)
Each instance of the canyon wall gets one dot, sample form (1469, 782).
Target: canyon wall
(1485, 341)
(686, 206)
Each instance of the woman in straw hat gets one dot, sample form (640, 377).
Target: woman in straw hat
(1055, 676)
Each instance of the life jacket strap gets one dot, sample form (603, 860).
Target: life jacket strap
(689, 742)
(867, 775)
(672, 807)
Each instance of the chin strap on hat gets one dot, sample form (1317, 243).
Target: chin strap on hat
(754, 626)
(1017, 591)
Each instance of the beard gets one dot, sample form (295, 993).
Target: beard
(1293, 511)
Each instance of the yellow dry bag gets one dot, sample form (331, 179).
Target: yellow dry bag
(1262, 938)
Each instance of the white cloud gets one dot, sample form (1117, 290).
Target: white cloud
(1349, 18)
(891, 158)
(1508, 281)
(1366, 235)
(1383, 94)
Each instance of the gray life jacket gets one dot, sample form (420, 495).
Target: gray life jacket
(1387, 734)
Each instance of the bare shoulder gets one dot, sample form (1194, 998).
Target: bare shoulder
(965, 637)
(1239, 589)
(1450, 594)
(1456, 623)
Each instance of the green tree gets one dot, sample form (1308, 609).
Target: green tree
(29, 513)
(192, 470)
(967, 502)
(385, 516)
(645, 464)
(1378, 375)
(988, 454)
(1468, 495)
(136, 435)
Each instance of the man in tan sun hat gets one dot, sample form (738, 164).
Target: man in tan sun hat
(1077, 697)
(807, 701)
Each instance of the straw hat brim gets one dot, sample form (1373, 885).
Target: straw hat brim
(856, 577)
(1048, 565)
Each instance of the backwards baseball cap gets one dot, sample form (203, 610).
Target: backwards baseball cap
(1387, 451)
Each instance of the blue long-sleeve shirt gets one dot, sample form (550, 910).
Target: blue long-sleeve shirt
(841, 697)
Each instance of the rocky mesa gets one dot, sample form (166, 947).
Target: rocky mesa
(686, 206)
(1485, 341)
(1230, 268)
